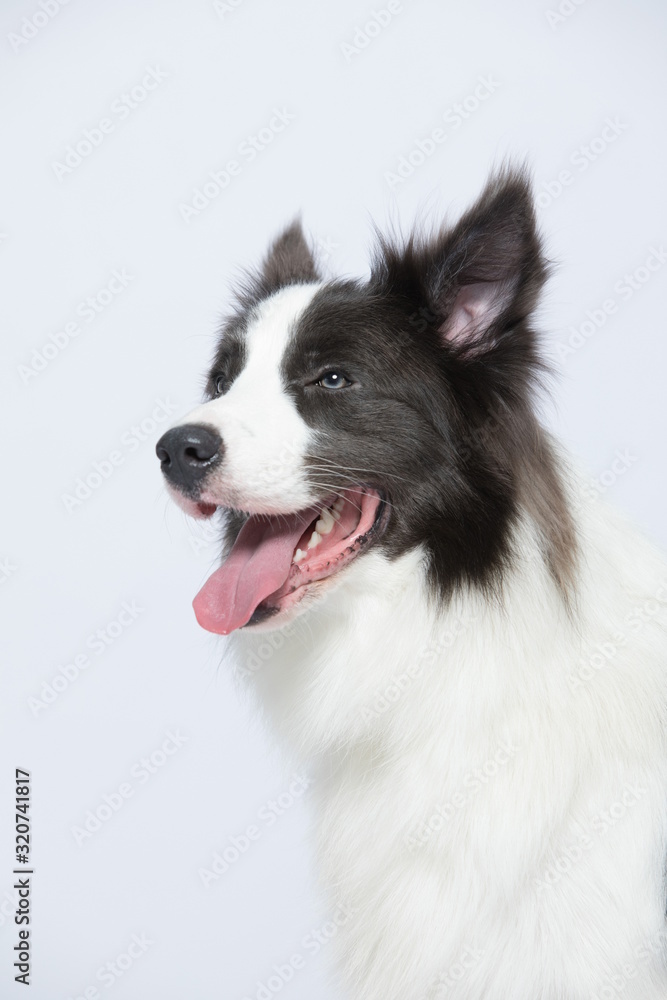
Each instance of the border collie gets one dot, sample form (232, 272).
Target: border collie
(466, 643)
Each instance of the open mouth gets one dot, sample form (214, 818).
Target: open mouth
(275, 558)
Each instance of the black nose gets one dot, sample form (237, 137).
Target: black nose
(187, 453)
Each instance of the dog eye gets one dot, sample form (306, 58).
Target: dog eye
(333, 380)
(220, 383)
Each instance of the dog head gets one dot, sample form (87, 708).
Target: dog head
(344, 415)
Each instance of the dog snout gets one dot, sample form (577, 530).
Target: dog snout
(187, 453)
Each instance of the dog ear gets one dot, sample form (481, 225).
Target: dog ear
(475, 282)
(488, 275)
(289, 260)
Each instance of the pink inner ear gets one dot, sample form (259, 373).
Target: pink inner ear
(475, 308)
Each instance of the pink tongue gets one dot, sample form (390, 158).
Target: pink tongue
(258, 565)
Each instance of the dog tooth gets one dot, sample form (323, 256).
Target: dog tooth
(315, 539)
(298, 556)
(336, 515)
(325, 523)
(338, 504)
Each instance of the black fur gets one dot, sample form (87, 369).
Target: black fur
(442, 427)
(289, 261)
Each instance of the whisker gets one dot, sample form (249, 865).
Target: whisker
(334, 467)
(315, 484)
(336, 489)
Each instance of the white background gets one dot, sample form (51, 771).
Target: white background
(67, 572)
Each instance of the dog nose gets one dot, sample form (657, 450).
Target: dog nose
(187, 452)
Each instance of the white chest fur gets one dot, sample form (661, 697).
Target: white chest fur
(492, 778)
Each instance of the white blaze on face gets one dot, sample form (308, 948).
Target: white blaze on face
(264, 437)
